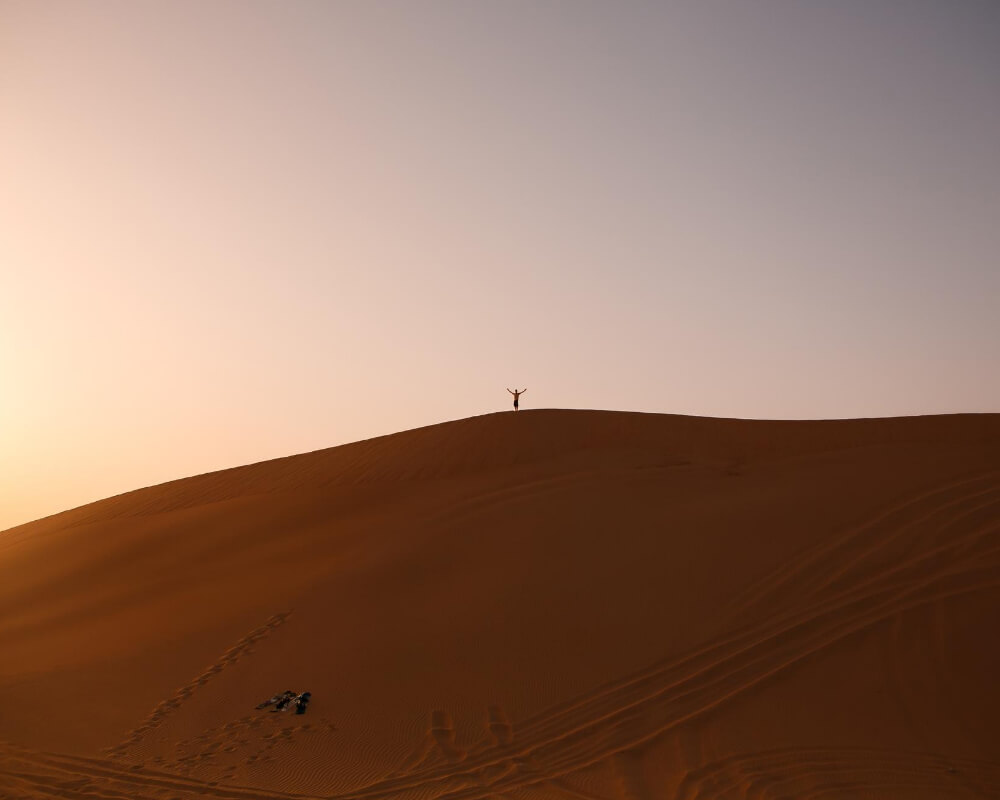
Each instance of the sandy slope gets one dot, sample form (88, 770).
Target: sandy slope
(575, 604)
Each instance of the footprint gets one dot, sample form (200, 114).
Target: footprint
(443, 731)
(500, 727)
(628, 765)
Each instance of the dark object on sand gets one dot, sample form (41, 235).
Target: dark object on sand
(279, 700)
(287, 699)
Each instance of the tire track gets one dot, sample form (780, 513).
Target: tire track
(136, 782)
(632, 713)
(814, 558)
(878, 545)
(784, 772)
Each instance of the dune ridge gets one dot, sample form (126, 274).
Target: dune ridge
(449, 448)
(555, 603)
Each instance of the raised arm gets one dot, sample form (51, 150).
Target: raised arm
(523, 391)
(509, 391)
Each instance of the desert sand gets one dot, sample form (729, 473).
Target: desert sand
(568, 604)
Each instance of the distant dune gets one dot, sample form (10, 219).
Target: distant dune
(571, 604)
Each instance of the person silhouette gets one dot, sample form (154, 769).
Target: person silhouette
(517, 394)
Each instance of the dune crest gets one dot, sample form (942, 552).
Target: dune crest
(572, 604)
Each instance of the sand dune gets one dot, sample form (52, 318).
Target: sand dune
(577, 604)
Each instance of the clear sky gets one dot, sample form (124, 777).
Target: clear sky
(231, 231)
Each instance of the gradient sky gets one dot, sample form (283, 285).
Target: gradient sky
(231, 231)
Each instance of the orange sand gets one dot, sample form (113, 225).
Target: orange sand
(574, 604)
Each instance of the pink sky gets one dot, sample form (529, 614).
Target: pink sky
(232, 231)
